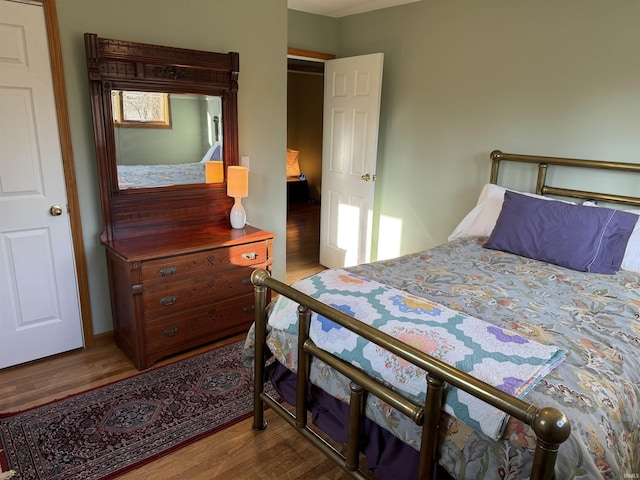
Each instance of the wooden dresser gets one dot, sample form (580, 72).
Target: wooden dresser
(179, 275)
(171, 292)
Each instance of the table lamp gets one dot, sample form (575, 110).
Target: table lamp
(237, 187)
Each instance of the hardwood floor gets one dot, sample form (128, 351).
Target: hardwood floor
(236, 452)
(303, 240)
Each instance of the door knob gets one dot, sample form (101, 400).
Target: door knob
(365, 178)
(55, 211)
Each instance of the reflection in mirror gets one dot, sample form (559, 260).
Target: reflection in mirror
(162, 146)
(141, 109)
(132, 209)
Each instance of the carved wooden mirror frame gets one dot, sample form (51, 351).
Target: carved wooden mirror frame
(123, 65)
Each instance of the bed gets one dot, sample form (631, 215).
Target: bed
(164, 175)
(556, 365)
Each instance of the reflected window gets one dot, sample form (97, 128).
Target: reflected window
(141, 109)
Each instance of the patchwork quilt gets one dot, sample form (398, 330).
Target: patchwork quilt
(497, 356)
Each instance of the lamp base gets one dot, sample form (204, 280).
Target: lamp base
(237, 217)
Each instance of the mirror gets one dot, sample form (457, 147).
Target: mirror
(165, 124)
(164, 139)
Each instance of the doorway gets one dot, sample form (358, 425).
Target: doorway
(347, 129)
(305, 95)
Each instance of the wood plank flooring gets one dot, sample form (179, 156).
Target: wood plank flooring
(303, 240)
(236, 452)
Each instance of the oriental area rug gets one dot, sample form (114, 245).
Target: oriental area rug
(104, 432)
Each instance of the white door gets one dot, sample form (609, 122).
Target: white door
(352, 89)
(39, 304)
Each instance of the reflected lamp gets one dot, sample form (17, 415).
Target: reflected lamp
(214, 171)
(237, 187)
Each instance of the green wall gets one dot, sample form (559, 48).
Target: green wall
(184, 142)
(312, 32)
(257, 29)
(305, 93)
(461, 78)
(465, 77)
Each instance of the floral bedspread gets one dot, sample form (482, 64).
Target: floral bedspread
(595, 318)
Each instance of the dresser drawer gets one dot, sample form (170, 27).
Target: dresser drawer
(181, 287)
(219, 259)
(200, 325)
(169, 297)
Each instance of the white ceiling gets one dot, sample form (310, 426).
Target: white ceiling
(341, 8)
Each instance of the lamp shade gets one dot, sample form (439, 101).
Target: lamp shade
(293, 163)
(237, 181)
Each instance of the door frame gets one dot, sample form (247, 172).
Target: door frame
(64, 129)
(309, 55)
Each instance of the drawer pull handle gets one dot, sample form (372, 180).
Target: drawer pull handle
(166, 301)
(170, 332)
(249, 308)
(250, 256)
(246, 281)
(167, 272)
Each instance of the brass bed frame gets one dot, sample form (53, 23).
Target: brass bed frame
(543, 165)
(550, 425)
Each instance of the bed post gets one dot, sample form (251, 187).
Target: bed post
(542, 178)
(260, 291)
(552, 428)
(356, 409)
(304, 323)
(431, 427)
(495, 166)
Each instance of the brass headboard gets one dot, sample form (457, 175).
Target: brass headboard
(543, 163)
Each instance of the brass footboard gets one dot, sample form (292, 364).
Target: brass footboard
(549, 424)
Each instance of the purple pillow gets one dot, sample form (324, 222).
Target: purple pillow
(587, 239)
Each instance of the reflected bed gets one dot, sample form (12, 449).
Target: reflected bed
(145, 176)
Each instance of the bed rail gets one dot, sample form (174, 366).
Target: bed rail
(543, 164)
(549, 424)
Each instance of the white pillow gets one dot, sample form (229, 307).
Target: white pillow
(480, 221)
(214, 153)
(631, 259)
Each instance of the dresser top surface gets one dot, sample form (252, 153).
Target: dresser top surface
(184, 241)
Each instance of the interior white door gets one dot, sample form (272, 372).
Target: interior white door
(39, 303)
(352, 89)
